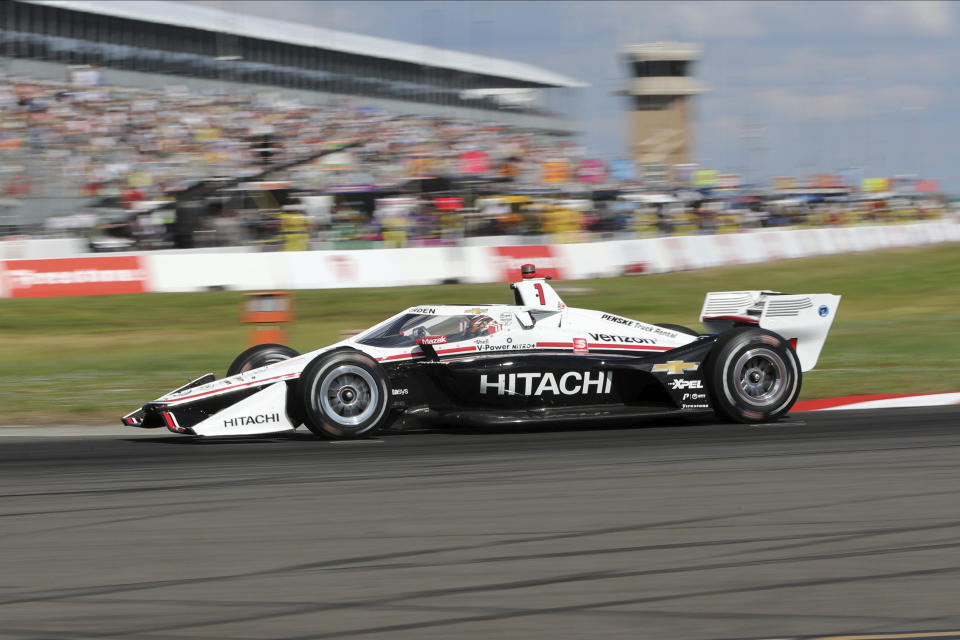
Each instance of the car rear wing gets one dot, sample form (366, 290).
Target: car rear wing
(803, 319)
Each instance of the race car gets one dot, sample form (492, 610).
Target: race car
(534, 361)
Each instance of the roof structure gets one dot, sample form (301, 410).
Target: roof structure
(183, 14)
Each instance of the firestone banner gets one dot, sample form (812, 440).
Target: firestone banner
(74, 276)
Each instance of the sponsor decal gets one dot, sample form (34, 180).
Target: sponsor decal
(242, 421)
(430, 311)
(618, 320)
(505, 347)
(606, 337)
(506, 318)
(342, 266)
(649, 328)
(56, 277)
(536, 384)
(510, 259)
(675, 367)
(695, 406)
(432, 340)
(686, 384)
(661, 331)
(824, 311)
(400, 392)
(475, 310)
(580, 346)
(694, 396)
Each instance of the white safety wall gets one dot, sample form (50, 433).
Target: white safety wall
(201, 271)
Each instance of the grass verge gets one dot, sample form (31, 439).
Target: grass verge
(90, 360)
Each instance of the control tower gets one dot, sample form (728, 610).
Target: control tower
(660, 91)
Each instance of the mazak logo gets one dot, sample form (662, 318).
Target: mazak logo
(606, 337)
(74, 276)
(536, 384)
(675, 367)
(243, 421)
(686, 384)
(432, 340)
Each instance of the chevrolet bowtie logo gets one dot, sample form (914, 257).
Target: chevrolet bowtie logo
(676, 367)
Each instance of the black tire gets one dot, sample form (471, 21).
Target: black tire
(753, 375)
(260, 356)
(344, 394)
(679, 328)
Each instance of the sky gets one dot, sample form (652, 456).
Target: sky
(794, 88)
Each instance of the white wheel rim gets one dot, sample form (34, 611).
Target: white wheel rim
(759, 376)
(348, 395)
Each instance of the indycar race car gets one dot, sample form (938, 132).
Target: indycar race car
(535, 361)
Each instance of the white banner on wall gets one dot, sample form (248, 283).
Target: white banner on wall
(247, 271)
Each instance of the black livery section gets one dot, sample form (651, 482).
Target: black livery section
(517, 387)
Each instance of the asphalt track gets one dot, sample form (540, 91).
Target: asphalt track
(828, 523)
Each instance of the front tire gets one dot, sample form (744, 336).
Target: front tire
(753, 375)
(344, 394)
(260, 356)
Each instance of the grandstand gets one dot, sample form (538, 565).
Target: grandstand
(155, 44)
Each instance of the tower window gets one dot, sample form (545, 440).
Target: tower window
(659, 68)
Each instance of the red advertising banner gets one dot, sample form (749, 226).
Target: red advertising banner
(474, 162)
(510, 259)
(74, 276)
(923, 186)
(450, 203)
(592, 171)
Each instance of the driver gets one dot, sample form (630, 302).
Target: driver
(480, 326)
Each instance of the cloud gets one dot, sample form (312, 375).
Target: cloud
(853, 103)
(810, 64)
(719, 19)
(911, 16)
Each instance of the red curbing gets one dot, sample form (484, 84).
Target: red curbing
(829, 403)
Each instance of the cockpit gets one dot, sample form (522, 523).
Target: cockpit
(406, 330)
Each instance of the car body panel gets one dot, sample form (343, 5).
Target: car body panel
(535, 360)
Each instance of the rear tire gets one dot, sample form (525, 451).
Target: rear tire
(344, 394)
(260, 356)
(753, 375)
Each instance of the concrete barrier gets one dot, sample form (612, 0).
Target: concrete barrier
(244, 271)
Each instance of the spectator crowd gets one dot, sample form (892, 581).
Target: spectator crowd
(136, 148)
